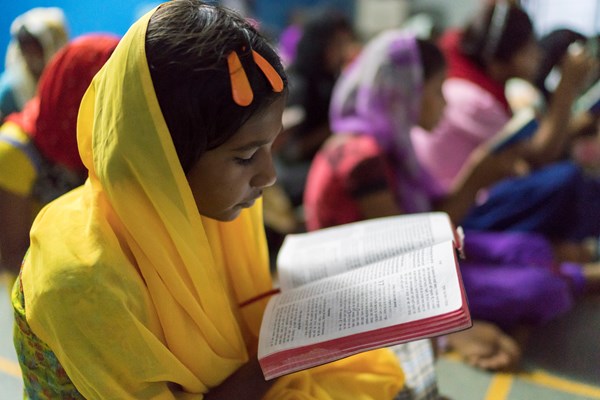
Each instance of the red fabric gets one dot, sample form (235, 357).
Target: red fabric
(461, 67)
(50, 118)
(341, 173)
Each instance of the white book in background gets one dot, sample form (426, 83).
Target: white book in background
(522, 126)
(361, 286)
(589, 101)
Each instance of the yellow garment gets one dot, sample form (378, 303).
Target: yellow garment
(17, 172)
(133, 290)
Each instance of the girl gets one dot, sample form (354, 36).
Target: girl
(324, 47)
(148, 281)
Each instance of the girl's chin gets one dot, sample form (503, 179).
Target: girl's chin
(231, 213)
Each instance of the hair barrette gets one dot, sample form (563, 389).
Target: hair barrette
(240, 86)
(270, 73)
(241, 91)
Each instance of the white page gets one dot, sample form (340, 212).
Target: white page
(587, 100)
(405, 288)
(307, 257)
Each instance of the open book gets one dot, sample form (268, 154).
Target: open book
(362, 286)
(589, 100)
(524, 124)
(521, 126)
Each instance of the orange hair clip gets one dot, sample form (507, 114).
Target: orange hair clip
(240, 86)
(270, 73)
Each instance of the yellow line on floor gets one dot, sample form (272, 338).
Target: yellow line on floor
(562, 384)
(501, 383)
(9, 367)
(499, 387)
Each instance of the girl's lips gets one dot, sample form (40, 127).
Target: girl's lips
(250, 202)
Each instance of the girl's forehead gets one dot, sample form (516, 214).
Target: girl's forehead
(260, 129)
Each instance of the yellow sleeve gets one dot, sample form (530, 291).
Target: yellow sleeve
(17, 172)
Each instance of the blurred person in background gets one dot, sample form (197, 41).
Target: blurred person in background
(584, 146)
(287, 43)
(39, 159)
(368, 169)
(553, 198)
(325, 46)
(36, 36)
(317, 44)
(554, 46)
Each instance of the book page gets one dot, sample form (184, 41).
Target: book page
(589, 101)
(408, 287)
(522, 126)
(307, 257)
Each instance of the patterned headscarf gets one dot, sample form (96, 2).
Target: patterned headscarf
(379, 95)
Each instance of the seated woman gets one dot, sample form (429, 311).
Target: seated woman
(36, 36)
(368, 169)
(584, 148)
(555, 49)
(555, 199)
(323, 48)
(39, 160)
(149, 281)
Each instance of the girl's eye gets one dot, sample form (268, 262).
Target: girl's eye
(244, 161)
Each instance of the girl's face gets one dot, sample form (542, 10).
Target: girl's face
(232, 176)
(33, 54)
(432, 101)
(339, 51)
(525, 62)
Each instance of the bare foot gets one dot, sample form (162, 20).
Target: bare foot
(583, 252)
(486, 346)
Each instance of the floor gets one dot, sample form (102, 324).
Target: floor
(562, 362)
(10, 374)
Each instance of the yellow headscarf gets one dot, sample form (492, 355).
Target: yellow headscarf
(133, 290)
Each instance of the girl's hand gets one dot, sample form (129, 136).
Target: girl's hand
(483, 169)
(577, 67)
(489, 167)
(248, 382)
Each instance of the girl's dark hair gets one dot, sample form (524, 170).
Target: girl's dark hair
(554, 47)
(187, 44)
(497, 33)
(432, 59)
(318, 31)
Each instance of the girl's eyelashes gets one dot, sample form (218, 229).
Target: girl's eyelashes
(244, 161)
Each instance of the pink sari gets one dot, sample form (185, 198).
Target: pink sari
(476, 110)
